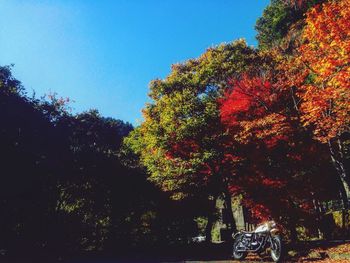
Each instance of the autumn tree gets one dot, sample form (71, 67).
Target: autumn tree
(324, 76)
(276, 167)
(179, 141)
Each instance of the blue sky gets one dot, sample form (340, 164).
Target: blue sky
(102, 54)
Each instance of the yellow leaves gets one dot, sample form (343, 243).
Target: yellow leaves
(264, 128)
(327, 38)
(326, 98)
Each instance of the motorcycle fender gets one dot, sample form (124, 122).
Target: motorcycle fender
(274, 231)
(235, 235)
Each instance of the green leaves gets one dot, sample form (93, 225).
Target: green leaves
(277, 20)
(178, 141)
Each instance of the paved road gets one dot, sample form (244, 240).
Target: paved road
(250, 259)
(226, 261)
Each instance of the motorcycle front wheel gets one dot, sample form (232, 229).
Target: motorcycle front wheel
(235, 254)
(276, 248)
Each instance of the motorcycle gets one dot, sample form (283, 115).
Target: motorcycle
(265, 236)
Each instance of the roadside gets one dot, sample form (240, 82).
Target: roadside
(311, 251)
(317, 251)
(336, 251)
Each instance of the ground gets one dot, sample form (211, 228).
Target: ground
(316, 251)
(335, 251)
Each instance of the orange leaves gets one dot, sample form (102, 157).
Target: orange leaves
(270, 128)
(326, 109)
(326, 55)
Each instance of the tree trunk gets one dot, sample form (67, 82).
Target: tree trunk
(209, 226)
(292, 222)
(228, 204)
(337, 161)
(344, 195)
(293, 233)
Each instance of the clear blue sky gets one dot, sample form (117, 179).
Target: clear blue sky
(102, 54)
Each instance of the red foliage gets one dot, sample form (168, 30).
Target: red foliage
(264, 136)
(249, 97)
(253, 109)
(183, 149)
(268, 182)
(257, 211)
